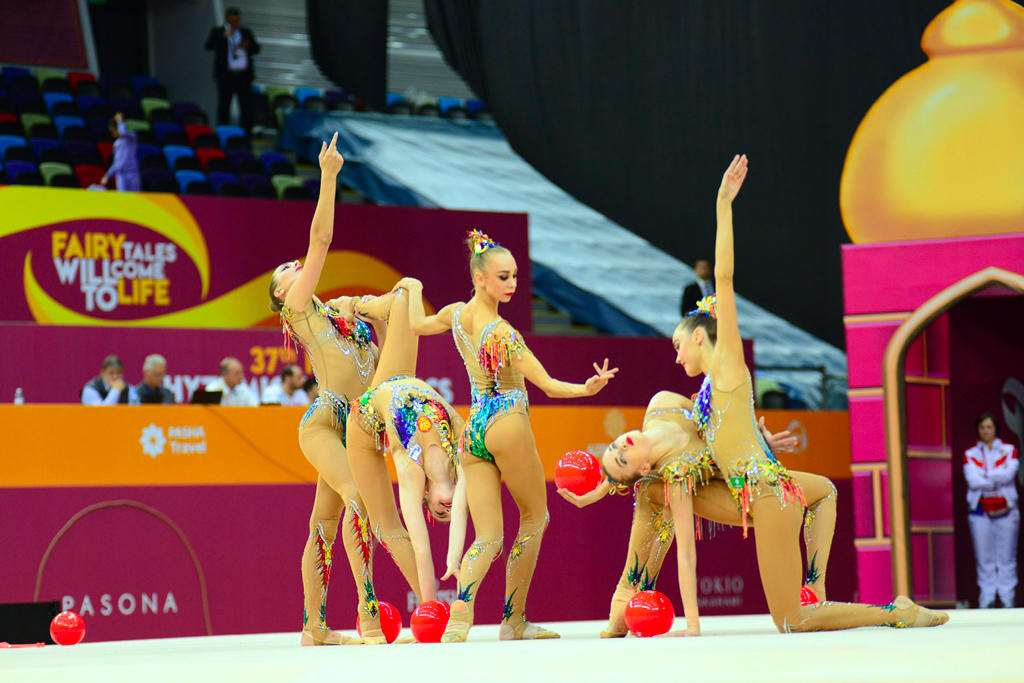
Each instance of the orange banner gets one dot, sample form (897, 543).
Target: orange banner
(68, 445)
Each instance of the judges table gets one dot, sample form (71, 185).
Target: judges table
(158, 521)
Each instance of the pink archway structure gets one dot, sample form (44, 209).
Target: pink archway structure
(892, 294)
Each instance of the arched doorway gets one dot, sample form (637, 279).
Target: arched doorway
(894, 388)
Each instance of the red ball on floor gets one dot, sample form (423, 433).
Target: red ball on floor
(390, 621)
(649, 613)
(577, 471)
(807, 596)
(429, 620)
(67, 628)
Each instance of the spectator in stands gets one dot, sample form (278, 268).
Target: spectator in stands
(151, 389)
(990, 468)
(125, 166)
(311, 388)
(288, 389)
(109, 388)
(234, 48)
(704, 286)
(232, 383)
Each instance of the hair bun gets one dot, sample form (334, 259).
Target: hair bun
(706, 307)
(479, 242)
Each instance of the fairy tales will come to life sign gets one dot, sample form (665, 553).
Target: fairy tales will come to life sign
(112, 271)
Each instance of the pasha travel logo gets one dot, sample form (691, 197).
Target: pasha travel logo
(181, 440)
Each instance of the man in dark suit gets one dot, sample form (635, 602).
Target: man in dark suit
(152, 389)
(704, 286)
(234, 48)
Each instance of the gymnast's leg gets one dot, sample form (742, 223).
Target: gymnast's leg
(483, 493)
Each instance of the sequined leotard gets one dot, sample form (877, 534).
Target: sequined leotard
(497, 387)
(726, 421)
(690, 467)
(342, 356)
(409, 407)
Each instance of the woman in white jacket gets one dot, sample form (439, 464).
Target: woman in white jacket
(990, 468)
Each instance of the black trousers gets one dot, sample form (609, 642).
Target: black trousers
(235, 84)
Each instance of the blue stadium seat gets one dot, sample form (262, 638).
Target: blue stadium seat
(226, 132)
(302, 93)
(12, 72)
(446, 103)
(217, 179)
(186, 177)
(172, 152)
(39, 145)
(162, 128)
(51, 98)
(10, 141)
(63, 122)
(393, 98)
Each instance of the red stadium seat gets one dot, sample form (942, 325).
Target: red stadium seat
(88, 174)
(204, 154)
(106, 150)
(194, 130)
(76, 77)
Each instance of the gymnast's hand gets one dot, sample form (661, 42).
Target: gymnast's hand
(780, 442)
(453, 569)
(592, 496)
(596, 382)
(685, 633)
(331, 160)
(409, 283)
(732, 180)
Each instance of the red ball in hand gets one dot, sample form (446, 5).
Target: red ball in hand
(577, 471)
(390, 621)
(807, 596)
(429, 620)
(649, 613)
(67, 628)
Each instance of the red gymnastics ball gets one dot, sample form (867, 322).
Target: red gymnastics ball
(577, 471)
(649, 613)
(67, 628)
(807, 596)
(390, 621)
(429, 620)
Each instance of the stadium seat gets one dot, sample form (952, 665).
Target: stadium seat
(153, 90)
(225, 133)
(25, 85)
(217, 179)
(257, 186)
(193, 130)
(12, 128)
(429, 109)
(30, 119)
(48, 169)
(119, 91)
(52, 98)
(56, 85)
(207, 154)
(64, 109)
(77, 78)
(301, 93)
(88, 174)
(86, 101)
(153, 161)
(282, 182)
(7, 141)
(157, 180)
(151, 104)
(186, 177)
(173, 152)
(106, 150)
(11, 72)
(451, 107)
(231, 190)
(19, 153)
(62, 122)
(48, 150)
(136, 125)
(43, 130)
(63, 180)
(163, 128)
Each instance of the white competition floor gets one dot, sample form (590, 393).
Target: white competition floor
(976, 645)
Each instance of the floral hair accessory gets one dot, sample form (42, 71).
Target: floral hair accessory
(480, 242)
(706, 307)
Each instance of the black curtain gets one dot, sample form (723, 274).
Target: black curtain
(636, 108)
(348, 39)
(120, 36)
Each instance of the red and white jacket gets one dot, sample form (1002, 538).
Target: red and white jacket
(990, 471)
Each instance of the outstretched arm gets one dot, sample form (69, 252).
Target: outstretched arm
(729, 348)
(681, 504)
(411, 485)
(457, 527)
(421, 323)
(321, 230)
(527, 363)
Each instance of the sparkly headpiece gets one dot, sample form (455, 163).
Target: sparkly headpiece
(480, 242)
(705, 307)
